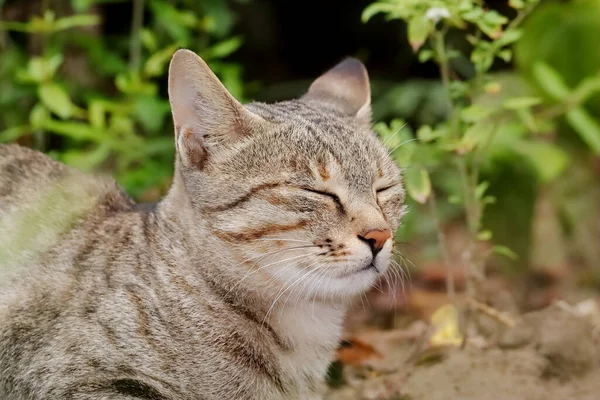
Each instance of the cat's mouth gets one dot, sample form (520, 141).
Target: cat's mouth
(369, 267)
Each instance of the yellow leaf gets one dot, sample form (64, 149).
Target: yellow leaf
(446, 329)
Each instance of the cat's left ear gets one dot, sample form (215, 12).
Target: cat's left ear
(206, 116)
(345, 87)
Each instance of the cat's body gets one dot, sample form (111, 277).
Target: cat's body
(233, 287)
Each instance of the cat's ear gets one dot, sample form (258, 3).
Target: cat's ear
(345, 87)
(205, 114)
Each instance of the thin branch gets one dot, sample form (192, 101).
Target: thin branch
(441, 236)
(135, 44)
(492, 312)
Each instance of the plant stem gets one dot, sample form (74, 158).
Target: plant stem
(521, 16)
(441, 236)
(440, 49)
(135, 44)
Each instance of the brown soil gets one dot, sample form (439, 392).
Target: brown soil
(552, 354)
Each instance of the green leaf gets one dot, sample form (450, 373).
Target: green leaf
(418, 30)
(516, 4)
(76, 21)
(81, 5)
(157, 63)
(38, 116)
(505, 251)
(96, 114)
(517, 103)
(222, 49)
(474, 113)
(56, 99)
(481, 188)
(505, 55)
(151, 111)
(528, 119)
(377, 8)
(40, 69)
(586, 126)
(549, 160)
(550, 80)
(74, 130)
(14, 133)
(426, 134)
(484, 236)
(418, 184)
(493, 17)
(148, 39)
(509, 37)
(454, 199)
(15, 26)
(87, 160)
(426, 55)
(473, 136)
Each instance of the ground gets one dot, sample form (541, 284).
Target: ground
(548, 354)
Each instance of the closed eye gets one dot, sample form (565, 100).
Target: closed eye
(383, 189)
(328, 194)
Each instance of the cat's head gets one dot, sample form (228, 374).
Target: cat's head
(301, 191)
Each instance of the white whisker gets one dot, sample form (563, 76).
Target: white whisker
(251, 272)
(284, 239)
(402, 144)
(394, 134)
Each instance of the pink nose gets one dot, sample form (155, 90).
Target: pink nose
(376, 238)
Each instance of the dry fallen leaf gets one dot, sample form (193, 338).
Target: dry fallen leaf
(355, 352)
(445, 324)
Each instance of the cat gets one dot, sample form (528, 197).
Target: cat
(234, 285)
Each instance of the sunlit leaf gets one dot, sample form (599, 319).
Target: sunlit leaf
(516, 4)
(96, 114)
(517, 103)
(223, 49)
(550, 80)
(148, 39)
(156, 65)
(481, 189)
(426, 55)
(418, 30)
(38, 116)
(505, 251)
(76, 21)
(474, 135)
(586, 126)
(376, 8)
(56, 99)
(418, 184)
(74, 130)
(474, 113)
(446, 327)
(426, 134)
(484, 236)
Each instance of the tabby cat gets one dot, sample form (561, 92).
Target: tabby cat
(234, 286)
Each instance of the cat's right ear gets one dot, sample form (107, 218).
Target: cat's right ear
(345, 87)
(205, 114)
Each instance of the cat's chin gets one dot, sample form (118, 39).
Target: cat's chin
(353, 282)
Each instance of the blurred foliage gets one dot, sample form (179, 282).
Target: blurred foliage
(480, 143)
(100, 96)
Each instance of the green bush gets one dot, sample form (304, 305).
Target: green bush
(497, 141)
(98, 103)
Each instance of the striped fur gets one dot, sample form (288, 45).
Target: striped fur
(234, 286)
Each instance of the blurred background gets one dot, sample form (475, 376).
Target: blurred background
(85, 82)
